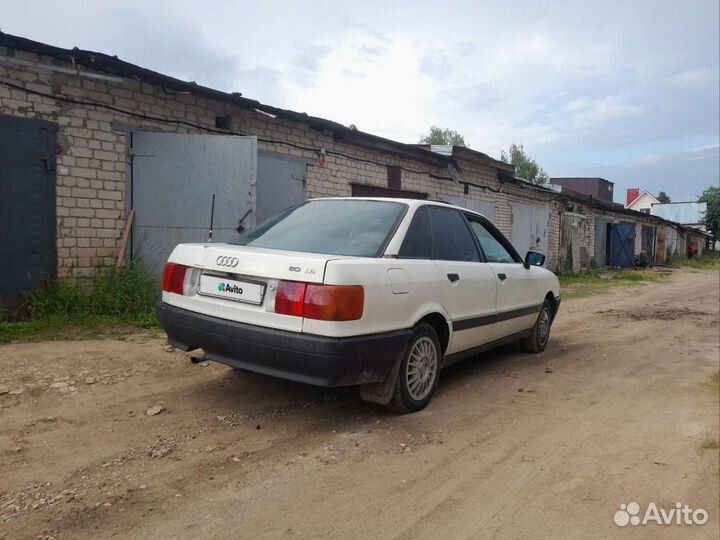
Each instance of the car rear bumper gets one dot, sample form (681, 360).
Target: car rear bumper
(311, 359)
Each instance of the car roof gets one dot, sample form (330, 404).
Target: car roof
(412, 203)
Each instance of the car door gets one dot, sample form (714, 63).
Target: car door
(468, 285)
(517, 305)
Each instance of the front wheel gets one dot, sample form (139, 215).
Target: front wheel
(540, 333)
(419, 371)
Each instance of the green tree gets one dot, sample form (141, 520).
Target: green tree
(443, 136)
(663, 197)
(711, 196)
(525, 166)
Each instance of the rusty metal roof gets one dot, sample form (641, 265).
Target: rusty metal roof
(463, 152)
(113, 65)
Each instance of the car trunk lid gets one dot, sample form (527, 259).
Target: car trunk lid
(239, 283)
(265, 263)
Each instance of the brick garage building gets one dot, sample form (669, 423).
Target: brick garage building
(100, 128)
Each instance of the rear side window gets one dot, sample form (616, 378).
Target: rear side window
(451, 237)
(418, 242)
(335, 227)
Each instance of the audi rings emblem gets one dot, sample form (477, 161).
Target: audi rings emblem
(231, 262)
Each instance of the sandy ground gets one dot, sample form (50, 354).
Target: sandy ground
(512, 446)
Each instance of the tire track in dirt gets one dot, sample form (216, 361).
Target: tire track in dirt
(512, 446)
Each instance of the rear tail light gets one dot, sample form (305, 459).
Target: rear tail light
(174, 278)
(289, 298)
(334, 302)
(321, 302)
(180, 279)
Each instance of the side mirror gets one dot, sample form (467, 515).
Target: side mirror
(533, 258)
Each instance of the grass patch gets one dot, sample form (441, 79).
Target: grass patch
(714, 383)
(710, 260)
(709, 443)
(594, 282)
(112, 299)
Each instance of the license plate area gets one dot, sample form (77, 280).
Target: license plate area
(237, 290)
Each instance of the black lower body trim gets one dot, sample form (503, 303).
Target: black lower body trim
(462, 355)
(312, 359)
(474, 322)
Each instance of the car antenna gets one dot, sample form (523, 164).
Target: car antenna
(212, 217)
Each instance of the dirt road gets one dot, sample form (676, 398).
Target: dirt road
(512, 446)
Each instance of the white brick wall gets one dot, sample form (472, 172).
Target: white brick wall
(91, 202)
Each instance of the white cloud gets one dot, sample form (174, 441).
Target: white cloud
(588, 112)
(706, 148)
(391, 97)
(581, 85)
(694, 78)
(648, 159)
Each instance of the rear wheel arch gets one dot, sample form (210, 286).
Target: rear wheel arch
(440, 324)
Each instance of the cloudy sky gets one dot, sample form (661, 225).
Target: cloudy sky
(625, 90)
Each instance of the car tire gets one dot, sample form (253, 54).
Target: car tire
(419, 371)
(540, 333)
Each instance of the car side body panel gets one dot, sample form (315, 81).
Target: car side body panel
(385, 310)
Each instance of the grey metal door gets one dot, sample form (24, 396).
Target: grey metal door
(601, 241)
(280, 184)
(573, 254)
(27, 206)
(530, 225)
(174, 177)
(485, 208)
(647, 237)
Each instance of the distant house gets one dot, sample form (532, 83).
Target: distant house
(599, 188)
(640, 202)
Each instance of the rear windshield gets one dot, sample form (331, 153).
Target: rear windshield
(336, 227)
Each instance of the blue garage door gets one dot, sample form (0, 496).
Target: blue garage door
(622, 244)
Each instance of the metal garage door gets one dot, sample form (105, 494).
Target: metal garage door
(622, 244)
(485, 208)
(573, 253)
(530, 225)
(602, 241)
(174, 177)
(27, 206)
(280, 184)
(647, 244)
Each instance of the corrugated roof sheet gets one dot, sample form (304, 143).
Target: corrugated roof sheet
(687, 213)
(113, 65)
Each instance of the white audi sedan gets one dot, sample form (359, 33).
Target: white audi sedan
(369, 292)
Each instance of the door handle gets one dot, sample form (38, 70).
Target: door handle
(502, 277)
(453, 277)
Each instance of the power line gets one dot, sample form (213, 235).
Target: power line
(212, 130)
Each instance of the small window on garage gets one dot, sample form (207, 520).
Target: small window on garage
(417, 243)
(394, 177)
